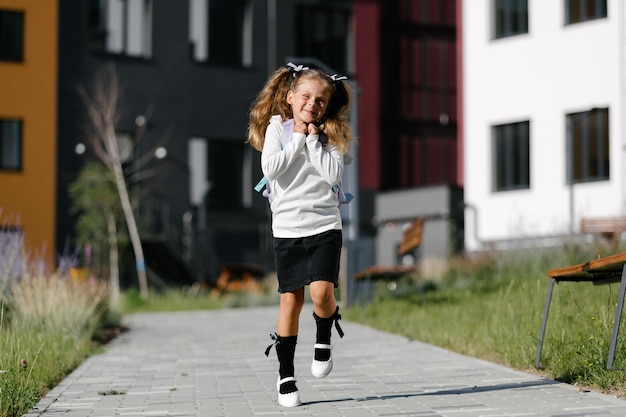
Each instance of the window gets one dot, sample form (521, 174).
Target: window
(10, 145)
(221, 31)
(225, 167)
(577, 11)
(11, 36)
(121, 27)
(511, 17)
(324, 33)
(588, 146)
(511, 145)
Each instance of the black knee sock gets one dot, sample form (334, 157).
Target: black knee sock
(286, 349)
(324, 327)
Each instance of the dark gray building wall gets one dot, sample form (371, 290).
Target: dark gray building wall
(182, 99)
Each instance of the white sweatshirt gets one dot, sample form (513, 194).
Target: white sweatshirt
(301, 177)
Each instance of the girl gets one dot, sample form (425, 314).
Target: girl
(299, 122)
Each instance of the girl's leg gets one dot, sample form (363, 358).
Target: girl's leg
(325, 312)
(323, 297)
(289, 313)
(287, 334)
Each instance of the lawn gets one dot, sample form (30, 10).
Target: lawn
(491, 308)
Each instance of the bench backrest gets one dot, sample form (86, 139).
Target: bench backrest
(412, 237)
(603, 225)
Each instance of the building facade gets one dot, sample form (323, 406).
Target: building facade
(191, 70)
(408, 63)
(188, 72)
(544, 126)
(28, 120)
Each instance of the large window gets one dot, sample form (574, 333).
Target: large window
(225, 168)
(588, 146)
(11, 36)
(582, 10)
(510, 18)
(221, 31)
(511, 161)
(10, 144)
(121, 27)
(324, 33)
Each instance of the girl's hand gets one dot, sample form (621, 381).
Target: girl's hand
(301, 127)
(312, 129)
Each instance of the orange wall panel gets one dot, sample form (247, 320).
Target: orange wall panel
(29, 92)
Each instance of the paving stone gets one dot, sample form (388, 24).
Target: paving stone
(211, 363)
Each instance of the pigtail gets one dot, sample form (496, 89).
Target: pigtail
(272, 100)
(336, 124)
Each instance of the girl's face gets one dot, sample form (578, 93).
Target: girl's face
(309, 100)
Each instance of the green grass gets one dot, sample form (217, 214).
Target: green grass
(171, 300)
(46, 330)
(32, 361)
(491, 308)
(181, 300)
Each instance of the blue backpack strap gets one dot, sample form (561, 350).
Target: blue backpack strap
(342, 197)
(259, 186)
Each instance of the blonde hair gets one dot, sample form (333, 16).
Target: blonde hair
(272, 100)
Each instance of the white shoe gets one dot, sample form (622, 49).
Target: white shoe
(320, 369)
(291, 399)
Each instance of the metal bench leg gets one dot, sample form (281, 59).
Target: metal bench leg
(618, 317)
(542, 332)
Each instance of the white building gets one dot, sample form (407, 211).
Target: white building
(538, 76)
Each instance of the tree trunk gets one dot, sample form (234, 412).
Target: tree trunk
(114, 272)
(133, 232)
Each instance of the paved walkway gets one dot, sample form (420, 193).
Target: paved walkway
(211, 363)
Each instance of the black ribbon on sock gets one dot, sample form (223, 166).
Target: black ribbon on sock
(276, 340)
(336, 317)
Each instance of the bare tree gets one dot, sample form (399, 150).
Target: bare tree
(102, 105)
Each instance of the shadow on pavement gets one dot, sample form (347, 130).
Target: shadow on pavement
(455, 391)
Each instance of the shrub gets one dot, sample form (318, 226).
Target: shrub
(46, 325)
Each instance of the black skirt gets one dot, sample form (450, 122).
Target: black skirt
(300, 261)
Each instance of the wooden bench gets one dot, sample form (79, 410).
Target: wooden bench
(599, 271)
(410, 243)
(607, 227)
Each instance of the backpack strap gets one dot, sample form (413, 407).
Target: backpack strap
(343, 197)
(259, 186)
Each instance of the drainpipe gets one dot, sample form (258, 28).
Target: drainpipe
(474, 211)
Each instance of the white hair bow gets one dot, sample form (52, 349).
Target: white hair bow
(297, 68)
(337, 77)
